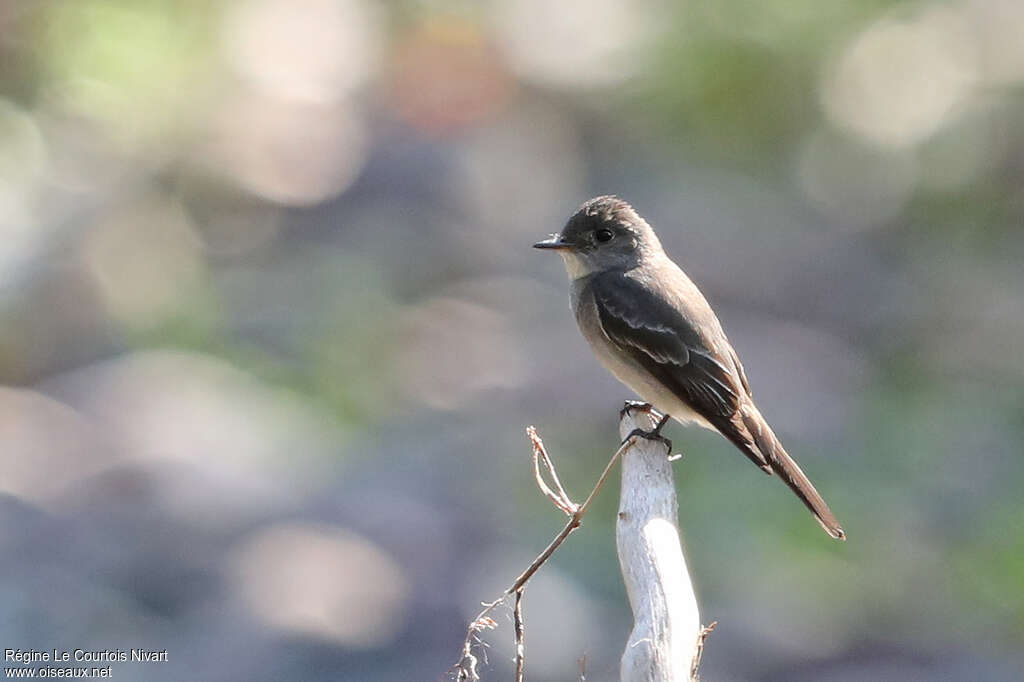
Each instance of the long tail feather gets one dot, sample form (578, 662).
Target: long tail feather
(788, 470)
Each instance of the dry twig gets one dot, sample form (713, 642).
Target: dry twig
(705, 631)
(517, 611)
(465, 670)
(559, 497)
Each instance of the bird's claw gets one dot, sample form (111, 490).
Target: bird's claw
(634, 405)
(653, 434)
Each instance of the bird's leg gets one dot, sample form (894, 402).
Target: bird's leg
(653, 434)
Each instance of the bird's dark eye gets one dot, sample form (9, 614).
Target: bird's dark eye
(604, 236)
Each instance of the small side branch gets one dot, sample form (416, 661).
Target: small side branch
(466, 668)
(520, 637)
(705, 631)
(558, 496)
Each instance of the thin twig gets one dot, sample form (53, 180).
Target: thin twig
(559, 497)
(465, 669)
(705, 631)
(574, 520)
(517, 612)
(626, 445)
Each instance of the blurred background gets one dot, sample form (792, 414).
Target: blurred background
(271, 329)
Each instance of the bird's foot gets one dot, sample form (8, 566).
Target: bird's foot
(654, 434)
(635, 405)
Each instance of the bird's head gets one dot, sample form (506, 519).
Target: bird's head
(604, 234)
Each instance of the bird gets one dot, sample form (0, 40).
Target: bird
(652, 328)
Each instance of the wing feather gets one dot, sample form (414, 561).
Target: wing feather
(676, 354)
(670, 348)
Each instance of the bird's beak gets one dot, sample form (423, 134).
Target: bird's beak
(555, 242)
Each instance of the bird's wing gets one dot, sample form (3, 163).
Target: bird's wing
(670, 347)
(739, 370)
(701, 374)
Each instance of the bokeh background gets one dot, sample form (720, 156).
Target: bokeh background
(271, 329)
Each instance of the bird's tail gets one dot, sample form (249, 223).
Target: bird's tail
(788, 470)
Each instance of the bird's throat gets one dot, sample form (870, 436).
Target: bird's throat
(576, 265)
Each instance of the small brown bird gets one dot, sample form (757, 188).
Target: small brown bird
(651, 327)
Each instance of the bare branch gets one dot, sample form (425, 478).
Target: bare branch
(705, 631)
(574, 521)
(540, 456)
(519, 636)
(465, 669)
(666, 619)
